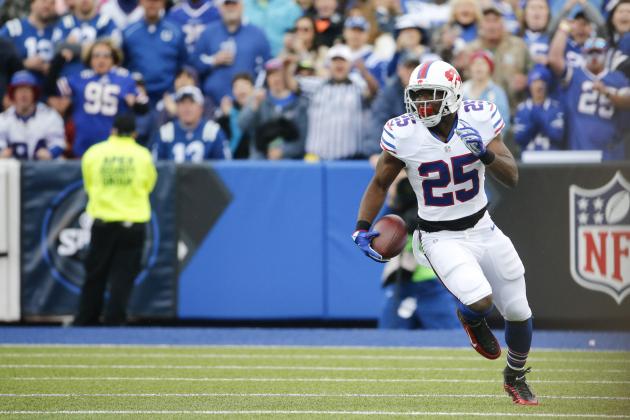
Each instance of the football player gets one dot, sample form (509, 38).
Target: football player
(592, 96)
(190, 138)
(445, 146)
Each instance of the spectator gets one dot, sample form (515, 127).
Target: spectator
(536, 18)
(277, 119)
(229, 47)
(167, 107)
(155, 48)
(10, 62)
(118, 176)
(122, 12)
(300, 41)
(307, 7)
(97, 94)
(594, 121)
(336, 109)
(229, 114)
(29, 129)
(433, 13)
(328, 23)
(539, 121)
(356, 33)
(511, 56)
(581, 27)
(32, 36)
(481, 87)
(190, 138)
(461, 28)
(510, 10)
(82, 27)
(274, 17)
(411, 38)
(193, 16)
(387, 103)
(618, 25)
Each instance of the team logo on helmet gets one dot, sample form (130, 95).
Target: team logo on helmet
(600, 237)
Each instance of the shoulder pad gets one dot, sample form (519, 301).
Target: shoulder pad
(67, 21)
(103, 21)
(87, 73)
(121, 71)
(167, 132)
(395, 130)
(14, 26)
(210, 130)
(484, 116)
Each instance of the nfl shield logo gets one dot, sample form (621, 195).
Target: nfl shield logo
(600, 237)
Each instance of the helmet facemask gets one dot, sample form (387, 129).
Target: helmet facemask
(429, 103)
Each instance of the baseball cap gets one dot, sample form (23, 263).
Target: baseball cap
(23, 78)
(340, 51)
(273, 64)
(357, 22)
(486, 55)
(191, 92)
(539, 72)
(492, 9)
(409, 21)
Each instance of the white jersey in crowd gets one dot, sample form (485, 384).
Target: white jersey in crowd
(447, 178)
(25, 135)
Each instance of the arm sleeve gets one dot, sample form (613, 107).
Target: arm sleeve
(217, 150)
(553, 125)
(524, 127)
(56, 136)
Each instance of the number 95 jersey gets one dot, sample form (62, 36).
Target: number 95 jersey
(447, 178)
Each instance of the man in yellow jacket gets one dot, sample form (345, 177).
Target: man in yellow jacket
(119, 176)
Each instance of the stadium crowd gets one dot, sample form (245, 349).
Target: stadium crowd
(303, 79)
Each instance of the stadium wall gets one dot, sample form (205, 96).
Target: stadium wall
(271, 240)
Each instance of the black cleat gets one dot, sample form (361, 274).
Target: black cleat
(481, 338)
(517, 387)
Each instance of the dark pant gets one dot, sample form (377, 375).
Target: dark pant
(115, 255)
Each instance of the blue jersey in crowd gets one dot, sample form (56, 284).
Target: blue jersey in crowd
(96, 99)
(176, 143)
(193, 20)
(251, 49)
(157, 51)
(28, 40)
(593, 122)
(539, 126)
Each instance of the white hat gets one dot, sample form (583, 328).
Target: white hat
(340, 51)
(192, 92)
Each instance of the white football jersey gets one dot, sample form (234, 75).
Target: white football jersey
(447, 178)
(43, 129)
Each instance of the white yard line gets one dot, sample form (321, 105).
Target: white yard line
(317, 412)
(278, 367)
(307, 395)
(203, 379)
(290, 356)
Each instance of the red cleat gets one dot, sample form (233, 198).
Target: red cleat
(481, 338)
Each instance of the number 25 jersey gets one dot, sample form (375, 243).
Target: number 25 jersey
(447, 178)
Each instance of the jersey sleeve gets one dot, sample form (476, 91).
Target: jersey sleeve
(394, 132)
(485, 118)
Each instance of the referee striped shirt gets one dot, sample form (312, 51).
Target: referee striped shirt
(335, 117)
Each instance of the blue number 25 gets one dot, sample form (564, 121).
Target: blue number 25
(459, 176)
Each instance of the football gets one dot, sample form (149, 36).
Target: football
(392, 238)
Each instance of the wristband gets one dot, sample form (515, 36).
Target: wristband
(363, 225)
(487, 158)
